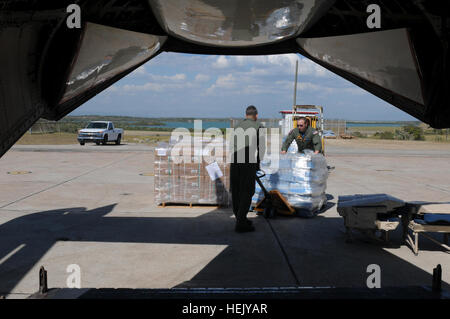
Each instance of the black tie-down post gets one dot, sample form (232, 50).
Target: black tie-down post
(43, 286)
(437, 279)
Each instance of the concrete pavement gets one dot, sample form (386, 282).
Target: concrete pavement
(93, 206)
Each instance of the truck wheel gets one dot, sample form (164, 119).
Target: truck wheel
(118, 139)
(82, 143)
(105, 140)
(98, 143)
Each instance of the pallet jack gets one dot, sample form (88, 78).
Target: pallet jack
(273, 202)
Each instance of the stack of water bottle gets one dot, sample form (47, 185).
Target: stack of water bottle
(300, 177)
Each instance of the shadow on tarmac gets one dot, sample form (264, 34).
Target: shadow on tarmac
(249, 260)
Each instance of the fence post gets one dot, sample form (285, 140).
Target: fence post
(338, 129)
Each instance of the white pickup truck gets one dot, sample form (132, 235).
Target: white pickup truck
(100, 132)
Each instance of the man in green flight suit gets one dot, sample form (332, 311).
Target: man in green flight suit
(305, 136)
(248, 147)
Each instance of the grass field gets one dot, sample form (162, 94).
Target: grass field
(372, 129)
(437, 138)
(48, 139)
(70, 138)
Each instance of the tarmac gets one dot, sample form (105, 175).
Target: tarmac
(93, 206)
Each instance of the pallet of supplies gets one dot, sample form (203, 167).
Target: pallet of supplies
(192, 181)
(300, 177)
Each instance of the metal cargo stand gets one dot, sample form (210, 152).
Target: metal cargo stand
(370, 214)
(413, 222)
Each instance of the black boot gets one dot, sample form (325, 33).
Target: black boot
(244, 228)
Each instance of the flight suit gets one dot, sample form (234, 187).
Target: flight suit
(309, 140)
(243, 175)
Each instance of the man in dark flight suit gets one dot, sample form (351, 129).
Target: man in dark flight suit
(245, 164)
(305, 136)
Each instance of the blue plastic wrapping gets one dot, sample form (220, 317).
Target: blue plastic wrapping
(437, 219)
(300, 177)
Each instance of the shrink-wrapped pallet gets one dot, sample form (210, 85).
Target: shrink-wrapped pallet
(300, 177)
(188, 181)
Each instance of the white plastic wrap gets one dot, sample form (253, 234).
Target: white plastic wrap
(189, 183)
(300, 177)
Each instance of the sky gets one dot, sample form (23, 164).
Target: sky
(200, 86)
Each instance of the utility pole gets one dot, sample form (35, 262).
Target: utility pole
(294, 104)
(295, 85)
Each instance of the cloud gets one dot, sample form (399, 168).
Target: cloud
(165, 78)
(112, 89)
(257, 89)
(138, 73)
(226, 82)
(261, 60)
(158, 83)
(270, 65)
(202, 78)
(245, 75)
(308, 67)
(355, 91)
(241, 83)
(221, 62)
(150, 86)
(155, 87)
(306, 86)
(140, 70)
(258, 72)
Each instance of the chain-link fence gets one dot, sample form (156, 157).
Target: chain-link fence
(43, 127)
(46, 127)
(269, 123)
(339, 127)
